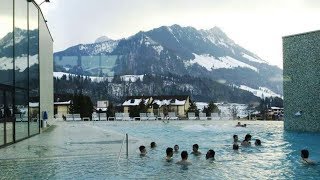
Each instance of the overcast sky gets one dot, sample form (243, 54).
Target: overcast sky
(257, 25)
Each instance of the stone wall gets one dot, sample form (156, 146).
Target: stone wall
(301, 86)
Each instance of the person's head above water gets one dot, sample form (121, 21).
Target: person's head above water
(142, 149)
(304, 153)
(195, 147)
(169, 152)
(184, 155)
(176, 148)
(257, 142)
(235, 138)
(247, 137)
(153, 144)
(210, 154)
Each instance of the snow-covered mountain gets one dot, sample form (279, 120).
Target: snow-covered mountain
(173, 50)
(102, 39)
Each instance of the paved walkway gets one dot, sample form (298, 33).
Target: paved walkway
(65, 139)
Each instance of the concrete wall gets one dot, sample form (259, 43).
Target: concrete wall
(46, 69)
(301, 57)
(62, 110)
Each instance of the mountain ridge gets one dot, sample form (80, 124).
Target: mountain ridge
(182, 51)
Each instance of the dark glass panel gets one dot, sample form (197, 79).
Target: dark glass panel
(21, 43)
(2, 117)
(33, 69)
(6, 42)
(9, 116)
(21, 113)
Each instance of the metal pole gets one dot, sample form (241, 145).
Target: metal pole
(127, 145)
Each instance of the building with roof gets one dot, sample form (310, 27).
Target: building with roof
(301, 83)
(160, 104)
(62, 108)
(26, 70)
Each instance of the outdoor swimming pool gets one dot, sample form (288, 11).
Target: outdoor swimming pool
(278, 158)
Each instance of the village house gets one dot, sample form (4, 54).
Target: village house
(62, 108)
(160, 104)
(275, 113)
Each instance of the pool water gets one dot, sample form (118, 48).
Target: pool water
(277, 158)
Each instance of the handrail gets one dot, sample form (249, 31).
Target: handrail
(119, 155)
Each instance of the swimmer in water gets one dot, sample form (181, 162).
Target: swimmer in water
(195, 150)
(305, 157)
(239, 125)
(246, 141)
(257, 142)
(169, 153)
(176, 148)
(153, 145)
(210, 154)
(184, 159)
(143, 150)
(235, 139)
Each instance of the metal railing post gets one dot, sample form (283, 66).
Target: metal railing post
(127, 148)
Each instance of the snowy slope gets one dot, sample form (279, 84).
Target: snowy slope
(225, 108)
(210, 62)
(262, 92)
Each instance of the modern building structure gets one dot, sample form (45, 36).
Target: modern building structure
(301, 86)
(26, 70)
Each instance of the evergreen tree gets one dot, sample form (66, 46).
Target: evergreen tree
(212, 108)
(193, 108)
(111, 110)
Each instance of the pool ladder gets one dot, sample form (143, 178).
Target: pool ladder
(125, 138)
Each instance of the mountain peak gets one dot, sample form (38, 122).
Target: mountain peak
(102, 39)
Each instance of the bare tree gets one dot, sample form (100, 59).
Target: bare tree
(234, 111)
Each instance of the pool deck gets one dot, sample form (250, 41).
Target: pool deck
(64, 139)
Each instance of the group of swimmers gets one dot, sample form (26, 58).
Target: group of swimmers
(240, 125)
(184, 154)
(246, 142)
(211, 153)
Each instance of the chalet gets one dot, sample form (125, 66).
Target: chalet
(62, 108)
(160, 104)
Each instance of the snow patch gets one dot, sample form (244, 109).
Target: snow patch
(250, 58)
(107, 46)
(158, 49)
(225, 108)
(210, 62)
(262, 92)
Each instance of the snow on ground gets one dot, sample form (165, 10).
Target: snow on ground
(132, 78)
(158, 49)
(107, 46)
(125, 78)
(262, 92)
(250, 58)
(225, 108)
(210, 62)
